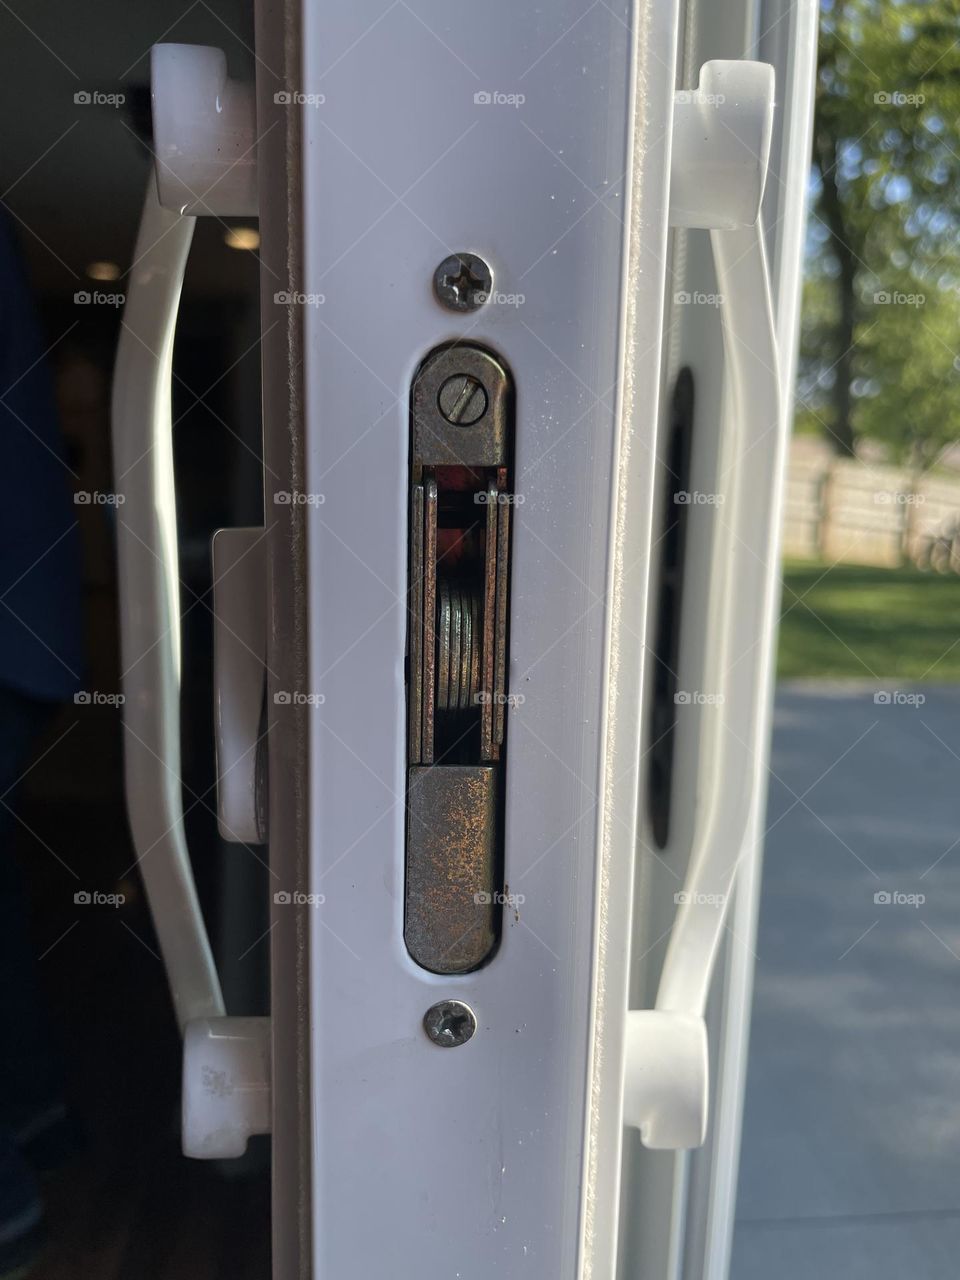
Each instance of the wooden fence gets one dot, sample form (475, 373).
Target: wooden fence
(861, 513)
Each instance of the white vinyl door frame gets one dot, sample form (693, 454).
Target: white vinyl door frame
(467, 1162)
(511, 1148)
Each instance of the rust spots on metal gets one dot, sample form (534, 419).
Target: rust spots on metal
(451, 912)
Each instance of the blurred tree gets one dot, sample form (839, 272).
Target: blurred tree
(881, 330)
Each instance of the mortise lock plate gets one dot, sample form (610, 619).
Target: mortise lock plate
(462, 424)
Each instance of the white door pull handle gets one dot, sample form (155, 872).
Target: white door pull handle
(149, 590)
(721, 149)
(214, 1121)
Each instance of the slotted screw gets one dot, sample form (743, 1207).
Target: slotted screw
(462, 400)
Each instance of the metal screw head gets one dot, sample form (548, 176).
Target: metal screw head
(450, 1023)
(462, 400)
(463, 282)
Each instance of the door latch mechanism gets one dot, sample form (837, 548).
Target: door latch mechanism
(462, 424)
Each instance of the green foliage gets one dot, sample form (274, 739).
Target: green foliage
(879, 348)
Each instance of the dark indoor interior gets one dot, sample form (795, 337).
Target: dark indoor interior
(121, 1201)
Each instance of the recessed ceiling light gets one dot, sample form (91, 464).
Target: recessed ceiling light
(242, 238)
(103, 271)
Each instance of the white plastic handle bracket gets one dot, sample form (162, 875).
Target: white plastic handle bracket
(226, 1067)
(239, 679)
(226, 1085)
(721, 145)
(204, 132)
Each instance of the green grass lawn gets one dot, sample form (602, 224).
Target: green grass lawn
(854, 622)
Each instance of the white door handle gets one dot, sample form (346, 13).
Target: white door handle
(720, 155)
(219, 1110)
(149, 590)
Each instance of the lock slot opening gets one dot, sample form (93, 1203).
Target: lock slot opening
(460, 503)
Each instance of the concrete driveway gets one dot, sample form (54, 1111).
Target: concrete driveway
(851, 1143)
